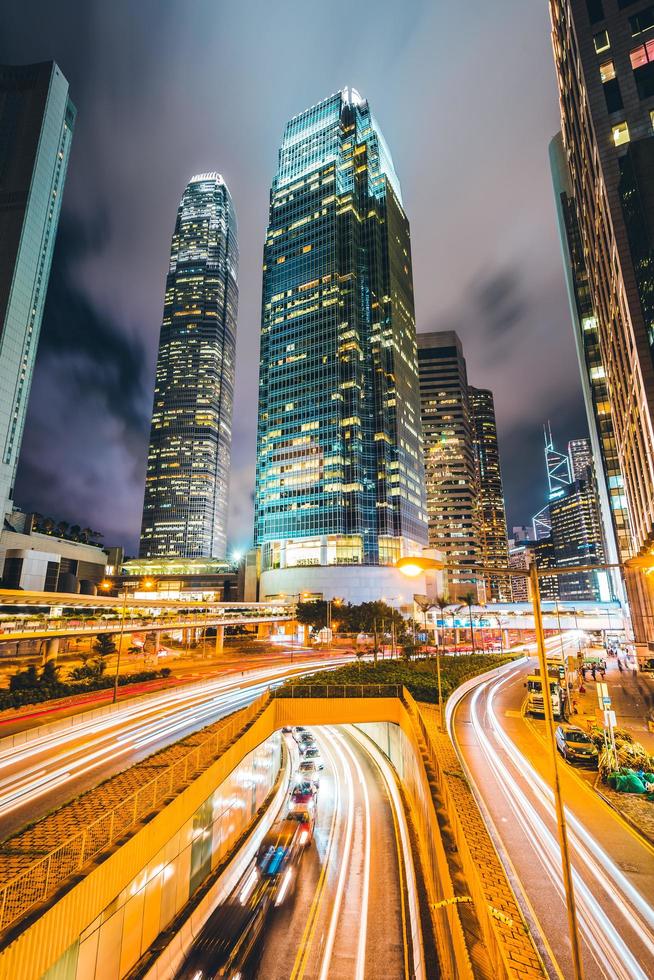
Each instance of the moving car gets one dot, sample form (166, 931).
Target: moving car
(309, 770)
(303, 794)
(306, 819)
(278, 853)
(313, 754)
(576, 746)
(298, 732)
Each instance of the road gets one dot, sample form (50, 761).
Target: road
(507, 757)
(52, 769)
(354, 910)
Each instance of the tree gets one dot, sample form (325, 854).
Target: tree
(442, 602)
(49, 673)
(312, 613)
(104, 644)
(23, 680)
(409, 648)
(470, 599)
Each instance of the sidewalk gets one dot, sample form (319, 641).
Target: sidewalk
(632, 699)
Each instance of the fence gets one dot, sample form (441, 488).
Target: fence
(339, 691)
(44, 876)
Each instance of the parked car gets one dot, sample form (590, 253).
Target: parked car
(576, 746)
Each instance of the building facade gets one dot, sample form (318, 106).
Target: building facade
(340, 480)
(606, 88)
(187, 481)
(577, 539)
(492, 510)
(36, 128)
(451, 473)
(581, 459)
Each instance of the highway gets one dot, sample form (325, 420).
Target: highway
(52, 769)
(507, 758)
(352, 911)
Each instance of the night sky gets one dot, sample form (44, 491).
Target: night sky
(466, 96)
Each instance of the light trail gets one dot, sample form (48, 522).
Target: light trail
(604, 940)
(117, 739)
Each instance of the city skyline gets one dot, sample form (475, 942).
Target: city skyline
(501, 318)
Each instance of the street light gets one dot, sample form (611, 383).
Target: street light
(147, 583)
(413, 567)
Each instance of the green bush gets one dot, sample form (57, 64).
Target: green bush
(420, 677)
(81, 680)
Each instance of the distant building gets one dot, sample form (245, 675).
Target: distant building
(492, 512)
(187, 481)
(521, 555)
(451, 473)
(36, 129)
(194, 579)
(340, 478)
(581, 460)
(521, 532)
(40, 562)
(577, 539)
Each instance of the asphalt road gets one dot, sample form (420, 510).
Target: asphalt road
(52, 769)
(508, 758)
(350, 914)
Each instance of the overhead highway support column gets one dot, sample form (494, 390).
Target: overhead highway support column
(220, 639)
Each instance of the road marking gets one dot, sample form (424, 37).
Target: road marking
(300, 964)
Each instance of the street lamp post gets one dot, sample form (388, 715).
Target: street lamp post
(413, 567)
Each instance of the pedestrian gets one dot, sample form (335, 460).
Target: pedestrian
(593, 671)
(583, 673)
(602, 671)
(620, 664)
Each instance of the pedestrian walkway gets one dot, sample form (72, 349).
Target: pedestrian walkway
(632, 699)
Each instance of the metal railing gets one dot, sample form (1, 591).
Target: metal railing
(44, 876)
(339, 691)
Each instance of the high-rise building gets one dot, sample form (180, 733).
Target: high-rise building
(608, 478)
(187, 480)
(577, 539)
(340, 480)
(36, 129)
(492, 512)
(606, 88)
(581, 459)
(451, 473)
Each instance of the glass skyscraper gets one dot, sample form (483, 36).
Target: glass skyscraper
(36, 129)
(340, 478)
(492, 510)
(187, 480)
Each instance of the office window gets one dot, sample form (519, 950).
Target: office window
(645, 80)
(612, 95)
(620, 133)
(601, 41)
(642, 22)
(607, 71)
(651, 117)
(595, 10)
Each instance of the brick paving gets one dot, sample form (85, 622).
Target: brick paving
(521, 957)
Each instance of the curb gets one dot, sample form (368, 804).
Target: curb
(627, 819)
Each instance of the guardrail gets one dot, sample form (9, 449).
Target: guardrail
(42, 878)
(339, 691)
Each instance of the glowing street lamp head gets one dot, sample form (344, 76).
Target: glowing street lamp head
(147, 583)
(106, 584)
(414, 565)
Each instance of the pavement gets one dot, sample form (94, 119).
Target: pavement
(632, 699)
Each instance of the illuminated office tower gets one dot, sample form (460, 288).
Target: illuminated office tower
(581, 459)
(604, 60)
(492, 511)
(187, 480)
(451, 473)
(36, 129)
(340, 481)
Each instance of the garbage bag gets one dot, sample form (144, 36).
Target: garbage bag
(629, 783)
(611, 779)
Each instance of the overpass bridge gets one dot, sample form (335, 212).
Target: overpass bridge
(116, 867)
(53, 615)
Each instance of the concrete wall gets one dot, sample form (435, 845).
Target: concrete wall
(354, 583)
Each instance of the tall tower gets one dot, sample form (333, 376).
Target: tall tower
(187, 481)
(451, 473)
(36, 129)
(492, 511)
(340, 481)
(603, 53)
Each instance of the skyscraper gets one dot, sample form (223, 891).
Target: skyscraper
(492, 511)
(187, 480)
(602, 54)
(577, 539)
(340, 481)
(581, 459)
(451, 475)
(608, 478)
(36, 128)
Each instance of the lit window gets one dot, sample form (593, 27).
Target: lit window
(607, 71)
(651, 117)
(620, 133)
(601, 41)
(638, 57)
(642, 22)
